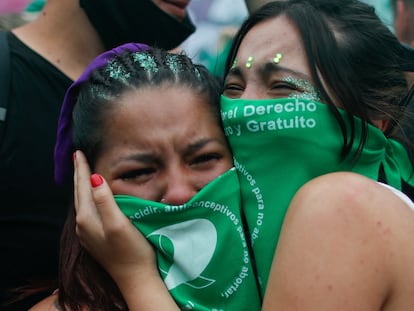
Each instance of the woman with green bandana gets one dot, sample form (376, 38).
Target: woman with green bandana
(124, 115)
(322, 100)
(320, 97)
(312, 101)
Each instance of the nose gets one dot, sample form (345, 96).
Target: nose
(179, 190)
(253, 92)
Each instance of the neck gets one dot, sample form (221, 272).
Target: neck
(63, 35)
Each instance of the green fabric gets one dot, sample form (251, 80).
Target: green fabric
(280, 144)
(201, 247)
(35, 6)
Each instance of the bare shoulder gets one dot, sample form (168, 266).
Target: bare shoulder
(48, 304)
(356, 190)
(358, 236)
(353, 201)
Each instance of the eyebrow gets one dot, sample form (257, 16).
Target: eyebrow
(149, 157)
(136, 157)
(199, 144)
(265, 70)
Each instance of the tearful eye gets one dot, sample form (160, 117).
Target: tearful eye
(232, 87)
(283, 89)
(233, 90)
(206, 158)
(137, 174)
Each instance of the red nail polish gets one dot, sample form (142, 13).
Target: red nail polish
(96, 180)
(74, 156)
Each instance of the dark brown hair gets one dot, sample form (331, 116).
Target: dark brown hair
(353, 52)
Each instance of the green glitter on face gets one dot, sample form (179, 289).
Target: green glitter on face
(308, 90)
(146, 61)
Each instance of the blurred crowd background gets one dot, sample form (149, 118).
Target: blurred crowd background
(215, 24)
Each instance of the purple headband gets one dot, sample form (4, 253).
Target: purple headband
(64, 143)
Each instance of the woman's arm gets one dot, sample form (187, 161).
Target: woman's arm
(116, 244)
(344, 245)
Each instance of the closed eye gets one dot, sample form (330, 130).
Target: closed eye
(138, 174)
(282, 89)
(205, 159)
(284, 85)
(233, 90)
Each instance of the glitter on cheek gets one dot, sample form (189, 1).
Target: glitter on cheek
(308, 90)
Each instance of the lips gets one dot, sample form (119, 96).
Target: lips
(179, 3)
(176, 8)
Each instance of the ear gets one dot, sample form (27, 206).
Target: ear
(401, 20)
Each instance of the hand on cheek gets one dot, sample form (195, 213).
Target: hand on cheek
(104, 231)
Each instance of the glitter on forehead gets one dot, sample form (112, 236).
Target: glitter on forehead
(146, 61)
(308, 90)
(277, 58)
(249, 62)
(172, 61)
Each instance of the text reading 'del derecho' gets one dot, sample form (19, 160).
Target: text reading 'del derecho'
(274, 116)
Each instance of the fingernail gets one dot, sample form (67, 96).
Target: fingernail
(74, 156)
(96, 180)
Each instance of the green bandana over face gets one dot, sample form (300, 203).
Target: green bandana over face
(202, 252)
(279, 145)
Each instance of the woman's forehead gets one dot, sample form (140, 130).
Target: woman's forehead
(268, 39)
(273, 41)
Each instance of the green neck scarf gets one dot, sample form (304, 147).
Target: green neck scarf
(201, 249)
(280, 144)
